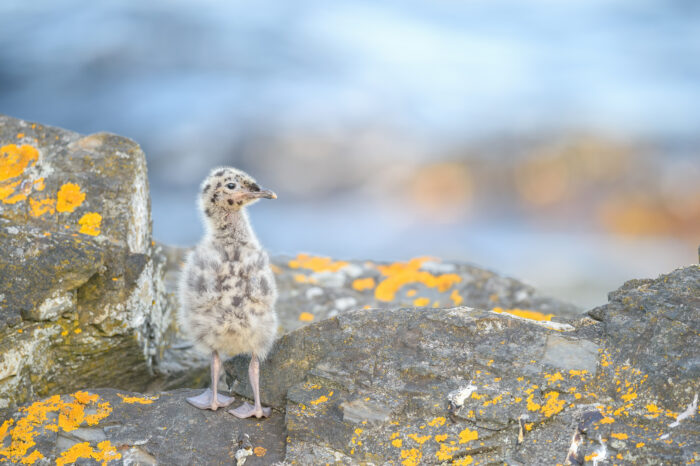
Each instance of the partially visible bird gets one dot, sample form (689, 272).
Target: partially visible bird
(227, 289)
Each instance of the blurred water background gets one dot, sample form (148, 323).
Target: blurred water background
(556, 142)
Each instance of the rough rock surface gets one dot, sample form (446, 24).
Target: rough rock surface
(81, 294)
(313, 288)
(106, 426)
(424, 386)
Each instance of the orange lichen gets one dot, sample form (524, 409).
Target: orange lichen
(438, 421)
(306, 317)
(90, 223)
(619, 436)
(445, 452)
(316, 264)
(15, 159)
(135, 399)
(420, 302)
(15, 199)
(32, 458)
(553, 404)
(640, 445)
(361, 284)
(401, 273)
(39, 208)
(456, 298)
(397, 443)
(419, 439)
(525, 314)
(260, 451)
(69, 197)
(321, 399)
(441, 438)
(71, 414)
(7, 189)
(39, 184)
(411, 457)
(468, 435)
(105, 453)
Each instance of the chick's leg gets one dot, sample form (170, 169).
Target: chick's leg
(210, 398)
(246, 409)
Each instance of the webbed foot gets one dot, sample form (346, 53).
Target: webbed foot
(206, 400)
(248, 410)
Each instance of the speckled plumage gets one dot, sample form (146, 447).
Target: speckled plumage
(227, 288)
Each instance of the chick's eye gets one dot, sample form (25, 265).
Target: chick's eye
(231, 186)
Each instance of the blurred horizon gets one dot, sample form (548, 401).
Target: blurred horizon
(553, 142)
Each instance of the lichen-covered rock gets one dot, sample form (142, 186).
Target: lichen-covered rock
(313, 288)
(106, 426)
(81, 289)
(423, 386)
(414, 386)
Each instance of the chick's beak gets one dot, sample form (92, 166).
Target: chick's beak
(262, 194)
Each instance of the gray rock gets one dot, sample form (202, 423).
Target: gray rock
(315, 288)
(83, 299)
(106, 426)
(420, 386)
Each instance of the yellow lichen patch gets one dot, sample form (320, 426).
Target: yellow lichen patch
(445, 452)
(15, 199)
(420, 439)
(397, 443)
(607, 420)
(71, 413)
(402, 273)
(69, 197)
(456, 298)
(260, 451)
(493, 401)
(525, 314)
(654, 411)
(441, 438)
(468, 435)
(619, 436)
(531, 405)
(629, 396)
(420, 302)
(639, 445)
(135, 399)
(39, 208)
(317, 264)
(411, 457)
(7, 189)
(321, 399)
(361, 284)
(32, 458)
(90, 223)
(553, 404)
(301, 278)
(306, 317)
(105, 453)
(85, 397)
(438, 421)
(551, 378)
(39, 184)
(15, 159)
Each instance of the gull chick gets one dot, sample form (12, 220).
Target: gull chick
(227, 289)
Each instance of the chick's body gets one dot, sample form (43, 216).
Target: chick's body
(228, 298)
(227, 289)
